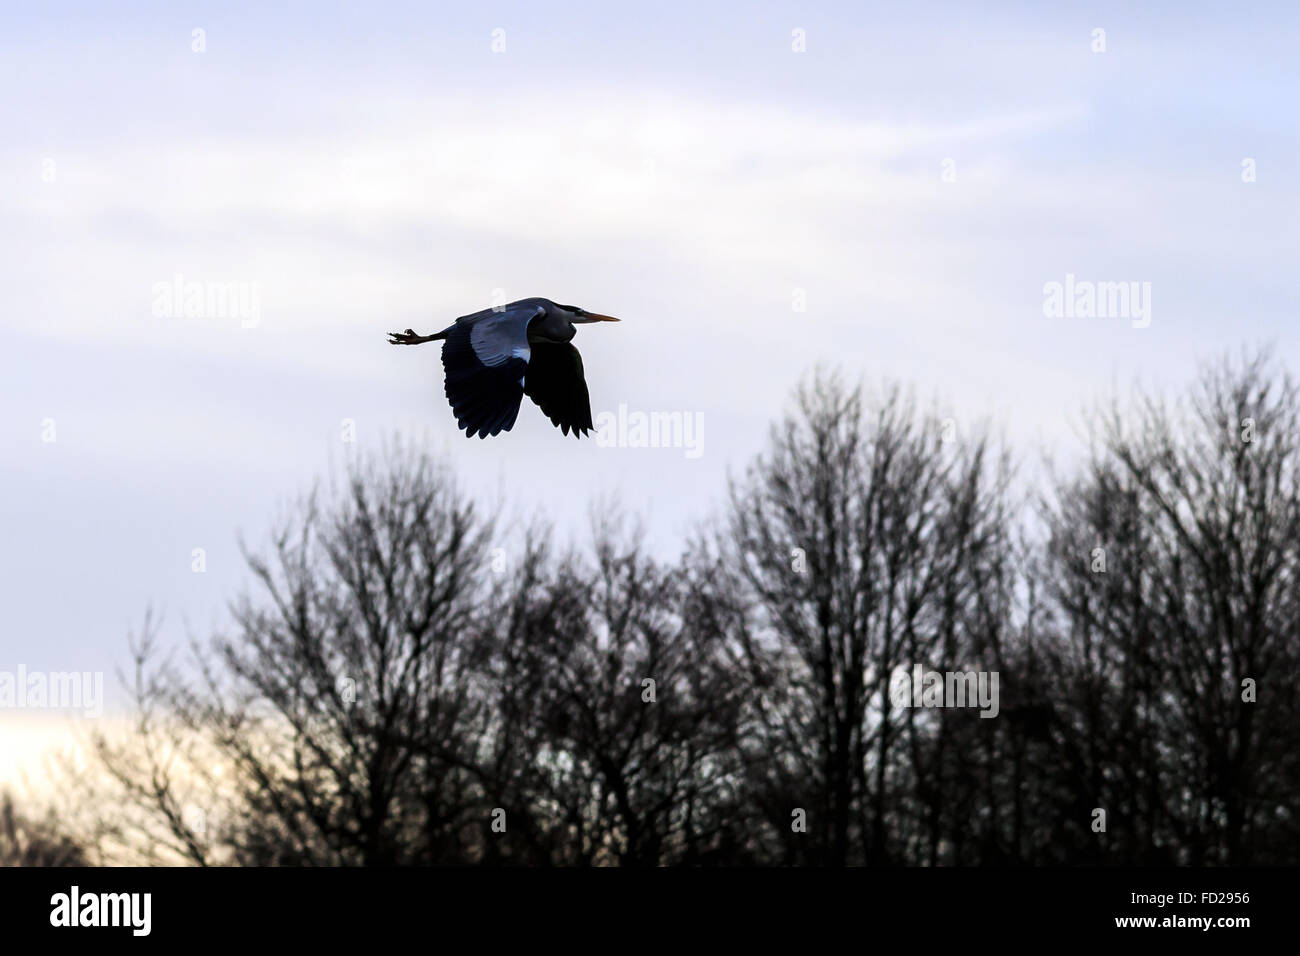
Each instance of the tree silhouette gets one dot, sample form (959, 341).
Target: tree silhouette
(412, 681)
(1194, 507)
(27, 842)
(862, 542)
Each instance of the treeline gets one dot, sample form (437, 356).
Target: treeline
(413, 682)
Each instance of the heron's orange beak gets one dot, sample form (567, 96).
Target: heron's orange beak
(597, 317)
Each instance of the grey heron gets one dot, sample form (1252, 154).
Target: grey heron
(495, 357)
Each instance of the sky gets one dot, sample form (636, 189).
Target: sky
(755, 188)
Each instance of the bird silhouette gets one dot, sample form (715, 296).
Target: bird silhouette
(494, 358)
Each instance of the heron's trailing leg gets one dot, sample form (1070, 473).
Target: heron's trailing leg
(410, 338)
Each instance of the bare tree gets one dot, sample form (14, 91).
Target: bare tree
(629, 715)
(404, 683)
(853, 548)
(338, 711)
(28, 842)
(405, 687)
(1174, 565)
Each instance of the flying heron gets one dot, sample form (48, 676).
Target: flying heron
(495, 357)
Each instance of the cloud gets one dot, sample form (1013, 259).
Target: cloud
(325, 226)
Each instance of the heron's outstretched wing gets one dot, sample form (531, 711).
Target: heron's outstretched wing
(554, 381)
(486, 357)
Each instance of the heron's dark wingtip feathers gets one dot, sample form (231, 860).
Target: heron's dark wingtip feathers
(486, 378)
(484, 398)
(474, 424)
(555, 382)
